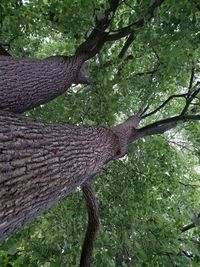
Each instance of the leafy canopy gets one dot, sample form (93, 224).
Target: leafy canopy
(147, 197)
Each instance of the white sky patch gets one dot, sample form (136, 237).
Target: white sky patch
(197, 169)
(180, 143)
(47, 40)
(25, 1)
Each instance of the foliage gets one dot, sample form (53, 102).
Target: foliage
(147, 197)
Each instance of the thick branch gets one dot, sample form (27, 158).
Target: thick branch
(163, 125)
(128, 131)
(93, 224)
(99, 37)
(188, 227)
(127, 44)
(191, 225)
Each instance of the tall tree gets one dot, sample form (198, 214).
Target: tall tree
(27, 83)
(152, 64)
(41, 163)
(43, 80)
(61, 158)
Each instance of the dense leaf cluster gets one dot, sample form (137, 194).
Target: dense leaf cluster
(147, 197)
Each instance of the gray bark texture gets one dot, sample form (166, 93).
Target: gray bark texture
(93, 224)
(41, 163)
(27, 83)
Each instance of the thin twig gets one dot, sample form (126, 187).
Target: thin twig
(189, 185)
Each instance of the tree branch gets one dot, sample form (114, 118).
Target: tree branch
(189, 100)
(189, 97)
(99, 36)
(138, 24)
(188, 227)
(93, 224)
(127, 44)
(150, 72)
(189, 185)
(162, 126)
(156, 68)
(164, 103)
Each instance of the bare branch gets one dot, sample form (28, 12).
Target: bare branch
(187, 227)
(189, 185)
(99, 36)
(127, 44)
(187, 96)
(162, 126)
(142, 110)
(164, 103)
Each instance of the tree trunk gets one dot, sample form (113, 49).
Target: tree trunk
(27, 83)
(41, 163)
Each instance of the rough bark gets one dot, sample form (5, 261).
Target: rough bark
(100, 34)
(93, 224)
(27, 83)
(41, 163)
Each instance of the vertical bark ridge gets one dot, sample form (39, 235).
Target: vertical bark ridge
(27, 83)
(41, 163)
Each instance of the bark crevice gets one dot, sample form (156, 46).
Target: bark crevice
(44, 163)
